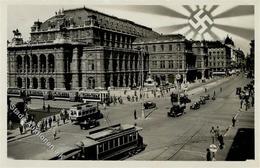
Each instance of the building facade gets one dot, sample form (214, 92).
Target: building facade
(78, 48)
(200, 52)
(219, 56)
(169, 55)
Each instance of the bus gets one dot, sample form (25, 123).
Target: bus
(80, 112)
(116, 142)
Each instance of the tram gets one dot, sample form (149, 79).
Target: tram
(110, 143)
(94, 96)
(80, 112)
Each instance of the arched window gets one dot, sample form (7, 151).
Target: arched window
(51, 83)
(43, 83)
(19, 63)
(51, 62)
(34, 63)
(27, 62)
(42, 63)
(35, 83)
(19, 82)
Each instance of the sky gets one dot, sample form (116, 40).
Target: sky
(209, 22)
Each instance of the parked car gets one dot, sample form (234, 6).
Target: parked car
(176, 110)
(149, 105)
(90, 123)
(202, 100)
(195, 106)
(207, 97)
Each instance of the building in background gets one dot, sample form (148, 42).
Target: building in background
(250, 60)
(169, 55)
(219, 57)
(78, 48)
(200, 51)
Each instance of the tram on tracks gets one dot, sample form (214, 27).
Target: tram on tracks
(101, 96)
(81, 112)
(110, 143)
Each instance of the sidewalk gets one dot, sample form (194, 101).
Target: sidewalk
(13, 135)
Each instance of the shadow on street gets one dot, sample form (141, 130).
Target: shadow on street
(243, 146)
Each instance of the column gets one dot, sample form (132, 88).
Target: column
(39, 83)
(74, 68)
(47, 64)
(39, 64)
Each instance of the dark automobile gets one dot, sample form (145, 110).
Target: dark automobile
(184, 99)
(202, 100)
(195, 106)
(149, 105)
(90, 123)
(176, 110)
(207, 97)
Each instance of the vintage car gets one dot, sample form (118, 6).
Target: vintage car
(90, 123)
(195, 106)
(184, 99)
(149, 105)
(207, 97)
(176, 110)
(202, 100)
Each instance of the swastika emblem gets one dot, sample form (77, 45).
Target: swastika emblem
(201, 21)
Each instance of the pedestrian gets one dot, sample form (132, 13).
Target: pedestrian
(252, 100)
(217, 132)
(213, 156)
(212, 132)
(221, 141)
(54, 131)
(58, 120)
(21, 129)
(220, 89)
(214, 93)
(50, 121)
(135, 115)
(241, 103)
(46, 124)
(206, 90)
(48, 108)
(233, 121)
(208, 156)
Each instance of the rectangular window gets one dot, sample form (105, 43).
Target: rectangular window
(111, 144)
(171, 64)
(100, 148)
(154, 48)
(146, 48)
(121, 141)
(162, 47)
(105, 146)
(154, 64)
(170, 47)
(178, 47)
(162, 64)
(91, 65)
(125, 139)
(116, 142)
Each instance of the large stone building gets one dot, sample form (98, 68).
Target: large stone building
(200, 52)
(219, 57)
(169, 55)
(78, 48)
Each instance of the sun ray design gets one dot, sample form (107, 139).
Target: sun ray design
(152, 9)
(213, 35)
(172, 28)
(240, 10)
(242, 32)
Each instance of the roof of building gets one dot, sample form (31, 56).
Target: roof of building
(215, 44)
(104, 132)
(161, 38)
(229, 41)
(78, 16)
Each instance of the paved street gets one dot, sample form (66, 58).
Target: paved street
(182, 138)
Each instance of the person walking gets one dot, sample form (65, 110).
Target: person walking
(135, 117)
(241, 103)
(48, 108)
(50, 121)
(214, 93)
(220, 89)
(208, 155)
(217, 131)
(212, 132)
(221, 141)
(252, 100)
(54, 131)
